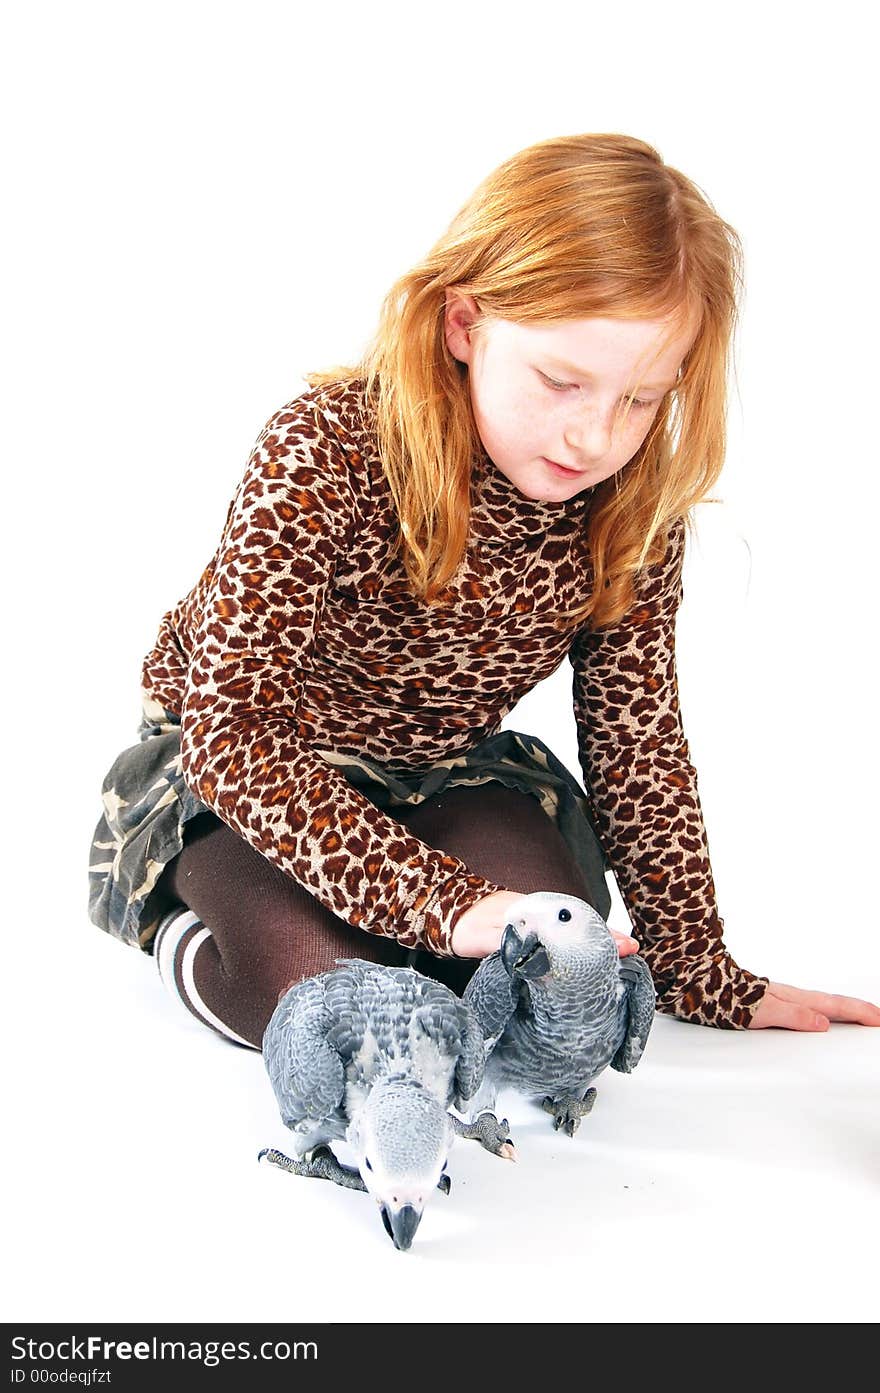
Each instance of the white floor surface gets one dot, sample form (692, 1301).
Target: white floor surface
(732, 1177)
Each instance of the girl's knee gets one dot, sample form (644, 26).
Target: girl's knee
(503, 834)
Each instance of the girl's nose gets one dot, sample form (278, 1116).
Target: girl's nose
(589, 432)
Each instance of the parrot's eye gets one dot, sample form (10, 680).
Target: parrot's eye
(367, 1163)
(565, 915)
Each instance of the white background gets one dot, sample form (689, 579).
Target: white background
(205, 201)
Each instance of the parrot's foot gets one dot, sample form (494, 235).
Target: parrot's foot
(489, 1132)
(567, 1112)
(320, 1164)
(323, 1165)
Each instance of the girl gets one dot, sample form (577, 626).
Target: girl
(503, 482)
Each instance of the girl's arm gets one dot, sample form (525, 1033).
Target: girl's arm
(242, 746)
(643, 794)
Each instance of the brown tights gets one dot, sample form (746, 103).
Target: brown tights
(267, 931)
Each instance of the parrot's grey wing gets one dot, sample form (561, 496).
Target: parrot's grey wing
(346, 993)
(454, 1032)
(636, 1011)
(472, 1060)
(305, 1069)
(493, 997)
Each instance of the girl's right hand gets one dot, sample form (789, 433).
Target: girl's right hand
(477, 932)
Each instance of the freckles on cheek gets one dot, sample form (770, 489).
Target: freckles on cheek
(638, 432)
(527, 418)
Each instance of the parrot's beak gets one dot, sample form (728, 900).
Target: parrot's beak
(524, 957)
(401, 1225)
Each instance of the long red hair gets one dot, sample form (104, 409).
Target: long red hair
(579, 226)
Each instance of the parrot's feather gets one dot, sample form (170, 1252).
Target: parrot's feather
(637, 1008)
(306, 1071)
(493, 996)
(332, 1035)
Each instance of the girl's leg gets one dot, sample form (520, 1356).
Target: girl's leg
(264, 931)
(253, 931)
(500, 833)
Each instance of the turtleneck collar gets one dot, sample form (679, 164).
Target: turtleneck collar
(501, 514)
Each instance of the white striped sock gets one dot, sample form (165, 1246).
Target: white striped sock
(187, 971)
(166, 945)
(169, 933)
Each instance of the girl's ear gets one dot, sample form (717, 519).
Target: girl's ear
(461, 311)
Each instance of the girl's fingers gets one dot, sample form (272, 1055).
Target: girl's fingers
(836, 1008)
(788, 1015)
(850, 1008)
(625, 944)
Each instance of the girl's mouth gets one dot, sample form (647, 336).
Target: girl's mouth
(562, 470)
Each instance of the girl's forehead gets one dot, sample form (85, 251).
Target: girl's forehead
(584, 347)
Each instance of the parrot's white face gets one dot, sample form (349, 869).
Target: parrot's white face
(401, 1138)
(564, 927)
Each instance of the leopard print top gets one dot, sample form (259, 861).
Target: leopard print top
(301, 637)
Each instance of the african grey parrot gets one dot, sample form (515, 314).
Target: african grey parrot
(557, 1005)
(376, 1055)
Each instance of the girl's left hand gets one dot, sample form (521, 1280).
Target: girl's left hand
(793, 1009)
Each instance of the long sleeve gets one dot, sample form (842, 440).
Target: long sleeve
(644, 798)
(242, 746)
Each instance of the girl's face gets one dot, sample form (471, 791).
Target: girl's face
(549, 400)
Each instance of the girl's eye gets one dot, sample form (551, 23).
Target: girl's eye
(635, 403)
(556, 386)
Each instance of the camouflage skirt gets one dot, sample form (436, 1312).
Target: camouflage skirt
(147, 804)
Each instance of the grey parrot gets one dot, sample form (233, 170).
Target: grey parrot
(376, 1055)
(557, 1005)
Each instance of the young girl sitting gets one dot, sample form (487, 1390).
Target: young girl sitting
(502, 483)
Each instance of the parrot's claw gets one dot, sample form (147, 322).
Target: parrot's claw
(444, 1183)
(567, 1112)
(278, 1158)
(489, 1132)
(318, 1164)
